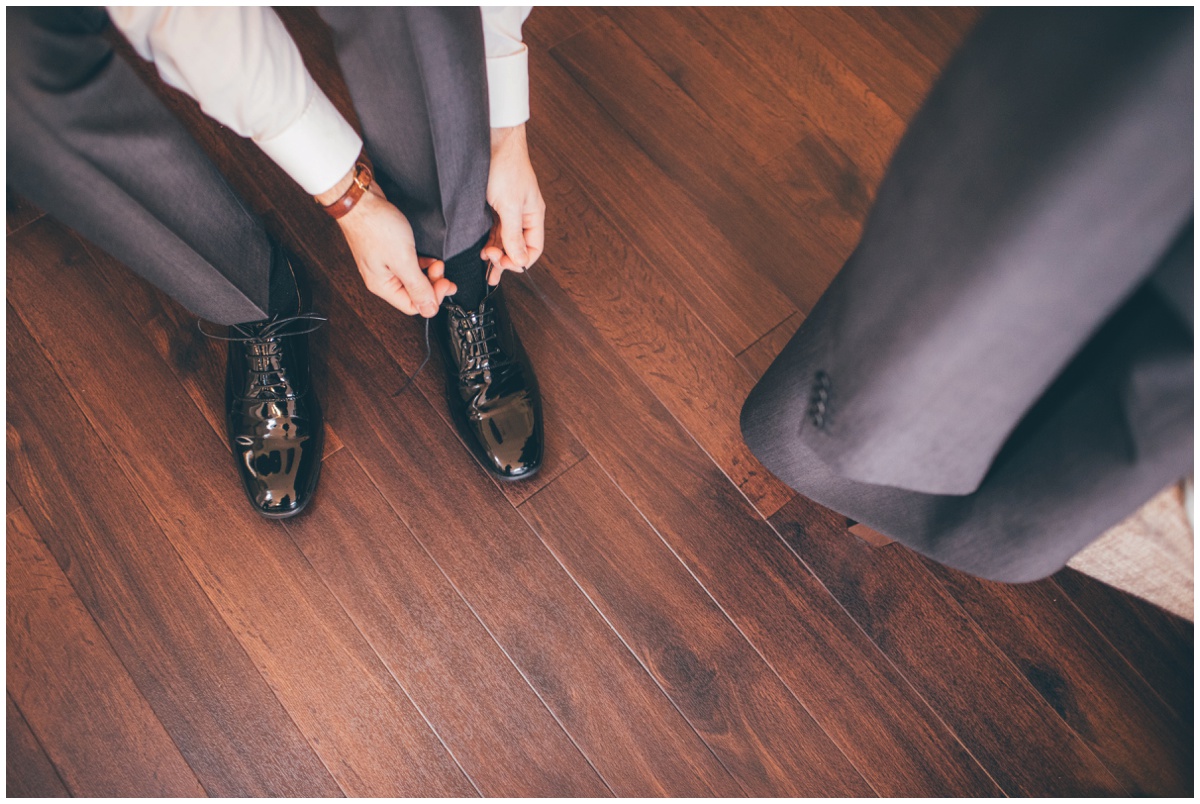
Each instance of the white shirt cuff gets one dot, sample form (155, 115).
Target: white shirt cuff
(508, 88)
(316, 150)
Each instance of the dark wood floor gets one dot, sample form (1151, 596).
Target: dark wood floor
(654, 614)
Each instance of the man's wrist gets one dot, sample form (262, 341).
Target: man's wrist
(336, 191)
(507, 135)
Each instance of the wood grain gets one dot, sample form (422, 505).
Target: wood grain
(29, 773)
(699, 58)
(685, 239)
(1010, 729)
(490, 719)
(725, 185)
(759, 356)
(96, 727)
(850, 689)
(753, 723)
(156, 617)
(817, 86)
(1159, 645)
(611, 708)
(1146, 745)
(628, 303)
(931, 35)
(547, 26)
(361, 725)
(901, 83)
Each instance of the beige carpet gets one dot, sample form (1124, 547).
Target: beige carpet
(1151, 554)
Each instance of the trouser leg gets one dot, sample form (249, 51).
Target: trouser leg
(89, 143)
(418, 80)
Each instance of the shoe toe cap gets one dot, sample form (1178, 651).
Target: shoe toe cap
(511, 438)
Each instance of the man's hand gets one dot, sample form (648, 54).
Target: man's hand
(518, 236)
(381, 240)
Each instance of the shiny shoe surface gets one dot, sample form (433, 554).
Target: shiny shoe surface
(273, 417)
(491, 388)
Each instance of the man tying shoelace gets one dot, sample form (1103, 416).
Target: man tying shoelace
(435, 205)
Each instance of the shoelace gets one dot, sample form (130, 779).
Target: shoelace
(261, 366)
(481, 338)
(428, 354)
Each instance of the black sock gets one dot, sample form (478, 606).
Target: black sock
(285, 289)
(469, 272)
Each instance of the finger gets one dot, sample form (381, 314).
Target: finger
(535, 234)
(388, 287)
(433, 268)
(512, 235)
(443, 288)
(505, 263)
(419, 290)
(492, 253)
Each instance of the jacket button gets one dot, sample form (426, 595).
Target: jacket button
(818, 402)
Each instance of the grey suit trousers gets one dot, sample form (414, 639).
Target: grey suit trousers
(90, 143)
(1003, 368)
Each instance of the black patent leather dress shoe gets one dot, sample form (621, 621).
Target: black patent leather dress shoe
(273, 416)
(491, 388)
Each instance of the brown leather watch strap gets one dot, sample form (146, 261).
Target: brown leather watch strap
(362, 180)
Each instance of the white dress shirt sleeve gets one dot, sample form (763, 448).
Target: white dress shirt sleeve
(507, 64)
(244, 70)
(242, 67)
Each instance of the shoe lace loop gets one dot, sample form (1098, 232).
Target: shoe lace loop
(481, 340)
(263, 350)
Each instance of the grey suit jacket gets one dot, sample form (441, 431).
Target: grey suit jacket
(1003, 368)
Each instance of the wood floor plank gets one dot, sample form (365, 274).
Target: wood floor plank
(761, 354)
(178, 650)
(98, 730)
(614, 712)
(1159, 645)
(502, 735)
(917, 36)
(898, 82)
(734, 700)
(29, 773)
(759, 67)
(817, 86)
(992, 708)
(1146, 745)
(717, 75)
(698, 244)
(629, 304)
(549, 25)
(862, 703)
(334, 687)
(775, 244)
(826, 195)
